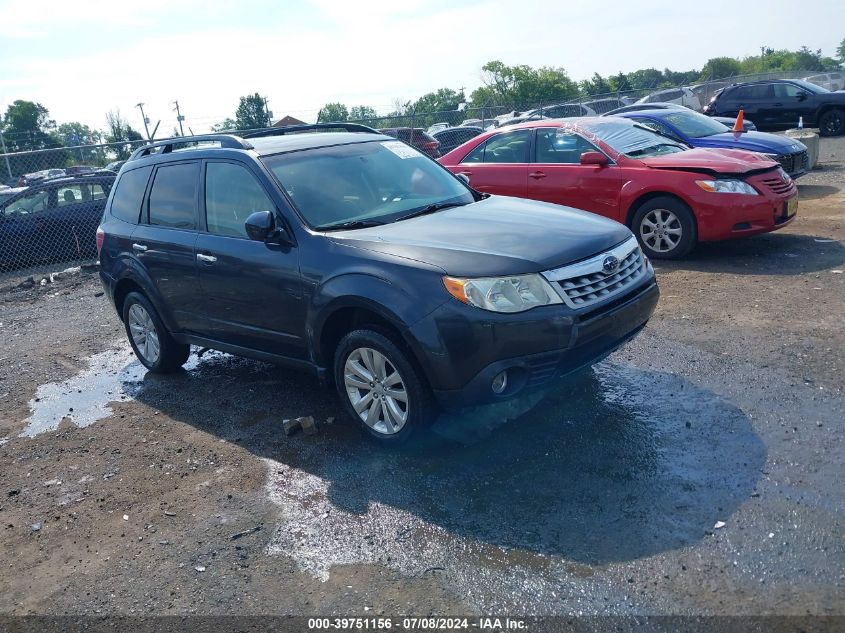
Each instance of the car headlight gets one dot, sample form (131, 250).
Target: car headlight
(773, 157)
(727, 186)
(503, 294)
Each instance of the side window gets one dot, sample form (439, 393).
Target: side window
(33, 203)
(231, 194)
(75, 194)
(173, 197)
(561, 149)
(510, 147)
(126, 203)
(476, 155)
(787, 91)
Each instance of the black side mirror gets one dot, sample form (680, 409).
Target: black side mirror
(802, 96)
(261, 227)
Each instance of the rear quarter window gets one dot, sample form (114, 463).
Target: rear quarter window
(129, 193)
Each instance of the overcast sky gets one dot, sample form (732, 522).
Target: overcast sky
(81, 58)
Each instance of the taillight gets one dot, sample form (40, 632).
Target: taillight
(101, 236)
(431, 144)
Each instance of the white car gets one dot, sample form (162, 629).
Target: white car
(678, 96)
(831, 81)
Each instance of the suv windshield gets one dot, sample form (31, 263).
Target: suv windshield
(810, 87)
(361, 184)
(695, 125)
(631, 139)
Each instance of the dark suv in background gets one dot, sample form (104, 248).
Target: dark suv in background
(777, 104)
(351, 255)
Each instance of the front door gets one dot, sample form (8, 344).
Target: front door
(500, 164)
(558, 176)
(252, 291)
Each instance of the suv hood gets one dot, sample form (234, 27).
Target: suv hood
(711, 161)
(495, 236)
(752, 141)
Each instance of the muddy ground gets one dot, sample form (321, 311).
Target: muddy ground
(126, 493)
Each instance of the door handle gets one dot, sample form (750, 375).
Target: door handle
(139, 247)
(208, 259)
(537, 175)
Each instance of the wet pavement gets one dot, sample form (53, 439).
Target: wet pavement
(598, 499)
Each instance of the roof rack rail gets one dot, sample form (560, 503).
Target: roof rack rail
(293, 129)
(225, 140)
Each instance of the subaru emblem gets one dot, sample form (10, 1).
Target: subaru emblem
(610, 264)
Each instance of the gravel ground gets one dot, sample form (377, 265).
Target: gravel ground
(696, 471)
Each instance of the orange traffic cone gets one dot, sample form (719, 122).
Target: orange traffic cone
(740, 120)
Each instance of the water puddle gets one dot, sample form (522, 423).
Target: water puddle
(112, 376)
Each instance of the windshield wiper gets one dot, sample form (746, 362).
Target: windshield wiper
(432, 208)
(349, 225)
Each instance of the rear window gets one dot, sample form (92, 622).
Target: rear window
(126, 204)
(173, 198)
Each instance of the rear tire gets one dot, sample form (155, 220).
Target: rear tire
(155, 348)
(381, 387)
(832, 123)
(665, 228)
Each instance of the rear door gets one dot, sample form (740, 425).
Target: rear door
(164, 242)
(558, 176)
(252, 291)
(79, 207)
(500, 164)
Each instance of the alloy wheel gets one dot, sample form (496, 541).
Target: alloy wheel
(661, 230)
(376, 390)
(144, 333)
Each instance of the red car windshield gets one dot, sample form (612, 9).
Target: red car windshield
(631, 139)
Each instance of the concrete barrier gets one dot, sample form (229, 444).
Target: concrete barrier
(810, 138)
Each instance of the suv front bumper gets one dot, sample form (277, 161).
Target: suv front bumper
(463, 349)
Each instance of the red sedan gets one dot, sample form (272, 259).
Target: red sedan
(669, 195)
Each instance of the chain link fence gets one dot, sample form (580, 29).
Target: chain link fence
(52, 199)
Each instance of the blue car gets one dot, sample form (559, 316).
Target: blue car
(697, 130)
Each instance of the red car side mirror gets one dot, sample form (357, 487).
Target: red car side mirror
(594, 158)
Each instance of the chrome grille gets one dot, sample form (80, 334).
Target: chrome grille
(586, 283)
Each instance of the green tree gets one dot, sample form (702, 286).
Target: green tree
(28, 126)
(332, 112)
(79, 134)
(840, 51)
(119, 131)
(522, 86)
(620, 83)
(363, 114)
(720, 68)
(646, 79)
(441, 100)
(251, 113)
(596, 86)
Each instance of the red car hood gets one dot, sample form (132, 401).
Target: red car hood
(721, 161)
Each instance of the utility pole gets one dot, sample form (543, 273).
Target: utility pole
(268, 113)
(144, 117)
(179, 117)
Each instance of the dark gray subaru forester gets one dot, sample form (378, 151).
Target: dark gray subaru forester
(350, 254)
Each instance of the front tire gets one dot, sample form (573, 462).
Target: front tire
(155, 348)
(832, 123)
(380, 387)
(665, 228)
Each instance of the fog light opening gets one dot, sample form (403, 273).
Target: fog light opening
(500, 382)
